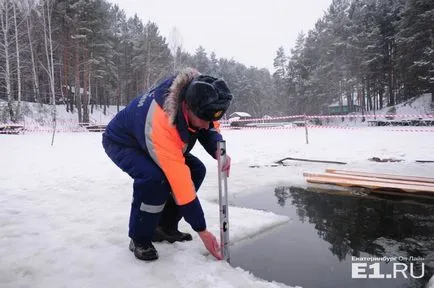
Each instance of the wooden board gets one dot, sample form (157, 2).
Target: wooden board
(382, 176)
(371, 184)
(11, 129)
(404, 197)
(367, 178)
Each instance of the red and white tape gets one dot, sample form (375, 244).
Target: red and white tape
(366, 128)
(263, 119)
(410, 116)
(306, 117)
(262, 128)
(74, 126)
(383, 128)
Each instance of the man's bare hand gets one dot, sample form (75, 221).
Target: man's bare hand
(227, 165)
(211, 244)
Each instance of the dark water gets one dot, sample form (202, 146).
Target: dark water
(317, 247)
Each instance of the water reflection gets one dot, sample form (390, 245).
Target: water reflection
(355, 225)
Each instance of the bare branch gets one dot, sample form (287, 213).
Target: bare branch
(43, 67)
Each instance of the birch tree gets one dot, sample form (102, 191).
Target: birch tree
(35, 86)
(175, 43)
(17, 47)
(47, 10)
(5, 26)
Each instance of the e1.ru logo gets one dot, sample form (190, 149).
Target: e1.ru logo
(362, 270)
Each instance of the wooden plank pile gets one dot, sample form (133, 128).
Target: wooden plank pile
(96, 128)
(11, 128)
(376, 183)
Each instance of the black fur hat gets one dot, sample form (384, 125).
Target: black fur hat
(208, 97)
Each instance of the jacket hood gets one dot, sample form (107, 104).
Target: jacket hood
(177, 88)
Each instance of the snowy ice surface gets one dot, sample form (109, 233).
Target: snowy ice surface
(430, 283)
(64, 209)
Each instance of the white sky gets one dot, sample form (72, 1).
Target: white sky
(248, 31)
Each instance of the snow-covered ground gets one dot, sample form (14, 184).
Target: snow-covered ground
(418, 105)
(64, 209)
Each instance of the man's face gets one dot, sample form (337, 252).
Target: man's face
(196, 122)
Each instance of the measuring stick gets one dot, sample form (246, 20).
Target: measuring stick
(223, 201)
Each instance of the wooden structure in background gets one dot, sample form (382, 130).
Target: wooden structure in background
(11, 129)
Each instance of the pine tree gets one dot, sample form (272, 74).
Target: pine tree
(416, 46)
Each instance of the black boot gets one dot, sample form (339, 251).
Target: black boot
(146, 252)
(170, 235)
